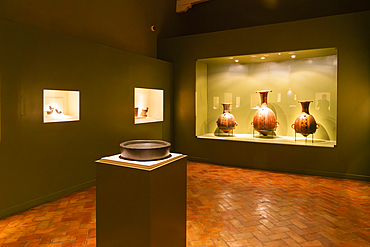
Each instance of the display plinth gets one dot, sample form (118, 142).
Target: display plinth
(141, 204)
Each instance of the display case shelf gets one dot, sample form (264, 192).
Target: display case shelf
(61, 106)
(292, 76)
(288, 140)
(148, 105)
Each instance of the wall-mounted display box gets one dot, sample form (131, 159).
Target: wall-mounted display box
(61, 106)
(148, 105)
(289, 77)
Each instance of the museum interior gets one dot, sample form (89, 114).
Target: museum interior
(265, 105)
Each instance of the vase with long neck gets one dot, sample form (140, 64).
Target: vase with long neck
(264, 120)
(226, 121)
(305, 123)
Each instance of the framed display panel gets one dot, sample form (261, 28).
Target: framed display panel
(290, 76)
(61, 106)
(148, 105)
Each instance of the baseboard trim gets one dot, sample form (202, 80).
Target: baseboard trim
(288, 170)
(47, 198)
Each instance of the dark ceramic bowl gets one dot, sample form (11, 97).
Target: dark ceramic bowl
(145, 150)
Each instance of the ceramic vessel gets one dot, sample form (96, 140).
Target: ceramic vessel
(305, 123)
(226, 121)
(144, 112)
(264, 120)
(144, 150)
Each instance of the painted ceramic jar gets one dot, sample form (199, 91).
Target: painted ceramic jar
(264, 120)
(226, 121)
(305, 123)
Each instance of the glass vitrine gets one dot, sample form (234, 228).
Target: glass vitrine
(290, 77)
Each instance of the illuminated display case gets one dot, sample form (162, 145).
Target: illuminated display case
(61, 106)
(305, 75)
(148, 105)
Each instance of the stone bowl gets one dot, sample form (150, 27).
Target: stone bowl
(145, 150)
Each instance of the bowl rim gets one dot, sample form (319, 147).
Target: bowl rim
(125, 144)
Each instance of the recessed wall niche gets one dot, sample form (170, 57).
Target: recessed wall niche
(61, 106)
(291, 76)
(148, 105)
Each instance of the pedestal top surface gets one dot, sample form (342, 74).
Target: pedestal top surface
(142, 165)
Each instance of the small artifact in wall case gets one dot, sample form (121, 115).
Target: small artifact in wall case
(145, 150)
(144, 112)
(51, 110)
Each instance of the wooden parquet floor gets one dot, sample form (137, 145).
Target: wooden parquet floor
(67, 222)
(241, 207)
(226, 207)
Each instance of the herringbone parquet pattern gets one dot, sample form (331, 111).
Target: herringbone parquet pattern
(241, 207)
(226, 207)
(67, 222)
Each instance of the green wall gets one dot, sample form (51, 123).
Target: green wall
(220, 15)
(40, 162)
(124, 24)
(350, 33)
